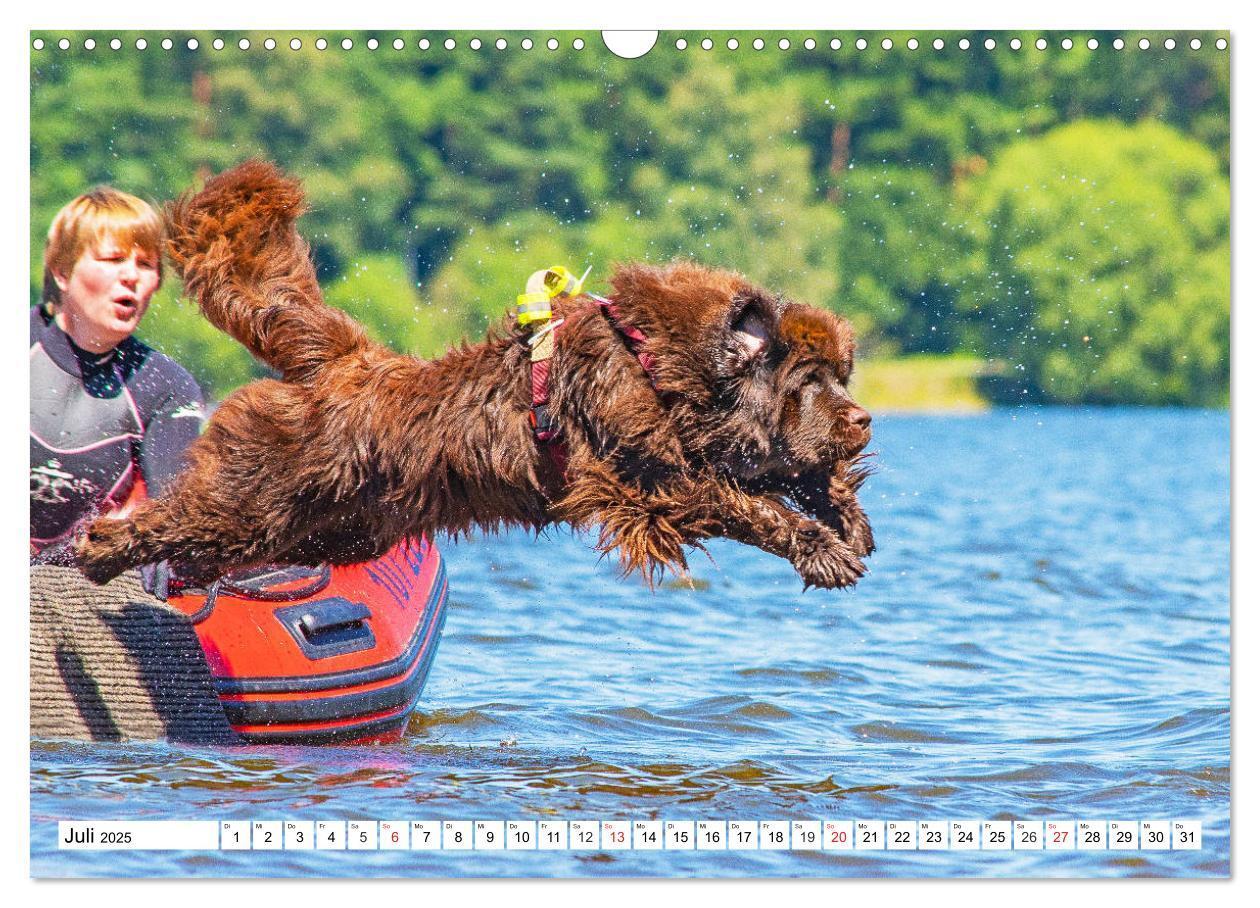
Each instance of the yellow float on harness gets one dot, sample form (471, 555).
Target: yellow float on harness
(533, 307)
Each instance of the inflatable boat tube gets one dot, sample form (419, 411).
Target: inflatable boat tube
(303, 655)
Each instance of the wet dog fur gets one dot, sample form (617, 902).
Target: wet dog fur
(749, 433)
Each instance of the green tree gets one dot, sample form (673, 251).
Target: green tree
(901, 255)
(439, 178)
(1103, 266)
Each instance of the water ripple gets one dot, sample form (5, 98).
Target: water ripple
(1020, 648)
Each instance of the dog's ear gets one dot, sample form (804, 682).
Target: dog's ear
(752, 324)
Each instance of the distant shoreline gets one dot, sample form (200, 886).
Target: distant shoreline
(921, 383)
(945, 384)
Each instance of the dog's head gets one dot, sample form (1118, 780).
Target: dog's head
(754, 384)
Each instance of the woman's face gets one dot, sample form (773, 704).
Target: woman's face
(106, 294)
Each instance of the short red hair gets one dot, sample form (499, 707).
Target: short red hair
(101, 214)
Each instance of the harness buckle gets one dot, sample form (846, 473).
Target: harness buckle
(541, 422)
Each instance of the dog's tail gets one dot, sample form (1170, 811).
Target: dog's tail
(235, 246)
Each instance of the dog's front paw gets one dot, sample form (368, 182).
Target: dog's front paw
(822, 560)
(857, 531)
(849, 517)
(105, 550)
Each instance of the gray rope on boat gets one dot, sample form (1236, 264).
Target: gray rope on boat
(113, 663)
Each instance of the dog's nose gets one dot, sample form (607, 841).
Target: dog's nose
(859, 417)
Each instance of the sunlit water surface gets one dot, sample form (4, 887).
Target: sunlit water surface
(1044, 634)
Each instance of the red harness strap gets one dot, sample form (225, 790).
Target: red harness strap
(546, 432)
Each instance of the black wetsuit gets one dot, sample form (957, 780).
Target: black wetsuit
(99, 422)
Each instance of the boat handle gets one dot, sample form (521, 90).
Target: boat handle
(332, 613)
(329, 627)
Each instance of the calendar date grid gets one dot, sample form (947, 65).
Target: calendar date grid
(606, 835)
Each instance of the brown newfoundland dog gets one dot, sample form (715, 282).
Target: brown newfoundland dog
(691, 405)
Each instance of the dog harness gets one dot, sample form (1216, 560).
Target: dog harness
(534, 313)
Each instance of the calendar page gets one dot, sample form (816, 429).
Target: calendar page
(709, 453)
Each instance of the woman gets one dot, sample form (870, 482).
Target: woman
(110, 417)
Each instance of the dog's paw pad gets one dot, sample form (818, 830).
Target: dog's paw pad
(104, 550)
(827, 563)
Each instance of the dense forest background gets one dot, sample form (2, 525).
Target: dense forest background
(1057, 220)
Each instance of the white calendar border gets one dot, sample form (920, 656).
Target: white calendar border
(669, 14)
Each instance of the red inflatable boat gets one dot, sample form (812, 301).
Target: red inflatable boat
(317, 655)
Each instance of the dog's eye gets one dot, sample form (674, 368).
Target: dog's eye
(825, 381)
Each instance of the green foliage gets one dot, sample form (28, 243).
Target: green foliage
(175, 327)
(377, 290)
(1103, 268)
(884, 184)
(903, 244)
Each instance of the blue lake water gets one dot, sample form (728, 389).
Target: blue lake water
(1044, 634)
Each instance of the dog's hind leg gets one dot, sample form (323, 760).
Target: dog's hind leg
(229, 509)
(208, 536)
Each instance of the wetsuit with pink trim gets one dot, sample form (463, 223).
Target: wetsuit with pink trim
(100, 423)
